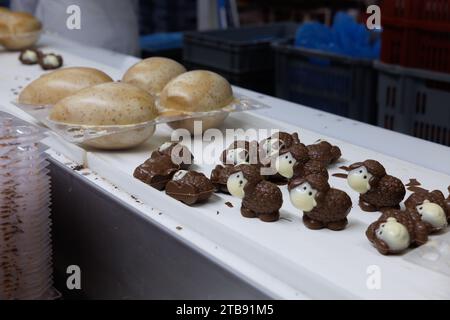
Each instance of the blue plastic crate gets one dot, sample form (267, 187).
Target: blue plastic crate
(236, 50)
(341, 85)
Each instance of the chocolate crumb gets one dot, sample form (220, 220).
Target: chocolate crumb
(179, 228)
(417, 189)
(229, 204)
(340, 175)
(218, 212)
(160, 213)
(413, 183)
(78, 167)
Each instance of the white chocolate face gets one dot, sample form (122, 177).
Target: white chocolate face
(285, 165)
(394, 234)
(51, 60)
(165, 146)
(433, 214)
(358, 180)
(30, 55)
(303, 197)
(236, 156)
(179, 175)
(236, 183)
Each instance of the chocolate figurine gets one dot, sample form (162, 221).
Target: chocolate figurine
(275, 144)
(240, 152)
(179, 154)
(395, 231)
(50, 61)
(189, 187)
(447, 201)
(156, 172)
(219, 177)
(324, 152)
(294, 162)
(260, 198)
(378, 190)
(30, 56)
(431, 208)
(322, 206)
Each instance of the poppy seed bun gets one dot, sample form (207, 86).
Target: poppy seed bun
(113, 103)
(196, 91)
(54, 86)
(18, 29)
(153, 74)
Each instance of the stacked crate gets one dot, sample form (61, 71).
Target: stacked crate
(413, 98)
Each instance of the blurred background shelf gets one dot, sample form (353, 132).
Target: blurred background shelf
(341, 85)
(415, 102)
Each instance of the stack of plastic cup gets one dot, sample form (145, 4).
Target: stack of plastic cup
(25, 241)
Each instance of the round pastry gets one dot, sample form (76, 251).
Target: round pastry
(54, 86)
(18, 30)
(113, 103)
(197, 91)
(153, 74)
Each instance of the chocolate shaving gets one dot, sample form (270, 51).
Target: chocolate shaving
(345, 168)
(417, 189)
(413, 183)
(229, 204)
(340, 175)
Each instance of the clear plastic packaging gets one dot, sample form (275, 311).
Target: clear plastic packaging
(86, 133)
(25, 225)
